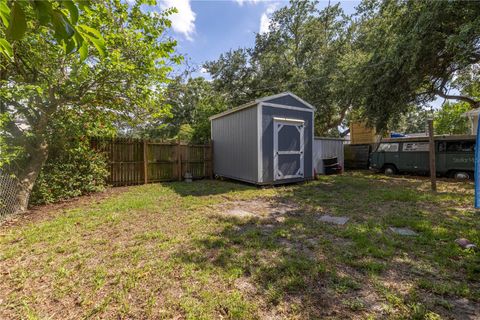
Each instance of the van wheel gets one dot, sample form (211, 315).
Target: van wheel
(461, 175)
(389, 170)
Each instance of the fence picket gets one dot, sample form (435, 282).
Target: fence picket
(137, 161)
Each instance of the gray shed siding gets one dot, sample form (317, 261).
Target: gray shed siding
(288, 101)
(235, 145)
(324, 148)
(267, 139)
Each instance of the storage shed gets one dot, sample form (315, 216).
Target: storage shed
(325, 148)
(265, 141)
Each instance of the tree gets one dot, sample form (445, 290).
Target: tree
(450, 119)
(60, 16)
(192, 102)
(307, 51)
(414, 52)
(413, 121)
(42, 84)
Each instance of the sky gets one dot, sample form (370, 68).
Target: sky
(205, 29)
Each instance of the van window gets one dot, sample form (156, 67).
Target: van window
(388, 147)
(415, 146)
(460, 146)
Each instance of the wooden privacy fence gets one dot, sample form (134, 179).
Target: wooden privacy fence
(137, 161)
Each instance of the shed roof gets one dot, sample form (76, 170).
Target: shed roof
(264, 99)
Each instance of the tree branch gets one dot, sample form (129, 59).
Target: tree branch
(335, 123)
(469, 100)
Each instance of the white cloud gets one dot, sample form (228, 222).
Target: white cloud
(241, 2)
(183, 21)
(265, 18)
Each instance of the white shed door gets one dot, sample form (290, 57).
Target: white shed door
(288, 148)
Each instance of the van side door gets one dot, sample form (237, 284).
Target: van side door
(414, 155)
(441, 157)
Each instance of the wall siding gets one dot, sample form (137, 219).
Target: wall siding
(324, 149)
(288, 101)
(235, 145)
(267, 139)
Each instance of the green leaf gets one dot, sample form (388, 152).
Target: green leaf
(83, 50)
(4, 13)
(83, 4)
(43, 9)
(91, 31)
(78, 39)
(99, 45)
(72, 9)
(69, 45)
(94, 37)
(61, 25)
(6, 48)
(18, 24)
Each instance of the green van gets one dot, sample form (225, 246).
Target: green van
(454, 156)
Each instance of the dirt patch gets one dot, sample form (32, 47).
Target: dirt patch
(271, 209)
(245, 285)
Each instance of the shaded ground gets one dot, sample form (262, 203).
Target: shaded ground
(215, 249)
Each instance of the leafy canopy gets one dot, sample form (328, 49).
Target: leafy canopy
(414, 52)
(60, 16)
(192, 102)
(386, 60)
(450, 119)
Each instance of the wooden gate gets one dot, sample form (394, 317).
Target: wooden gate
(137, 161)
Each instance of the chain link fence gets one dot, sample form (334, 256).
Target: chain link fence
(8, 192)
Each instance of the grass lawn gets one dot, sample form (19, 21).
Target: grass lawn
(178, 250)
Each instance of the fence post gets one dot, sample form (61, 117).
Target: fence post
(433, 170)
(145, 160)
(179, 161)
(211, 158)
(205, 164)
(187, 158)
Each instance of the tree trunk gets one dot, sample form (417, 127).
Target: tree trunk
(37, 156)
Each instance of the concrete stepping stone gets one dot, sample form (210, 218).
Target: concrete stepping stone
(404, 231)
(335, 220)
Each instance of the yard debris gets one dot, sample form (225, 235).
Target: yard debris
(404, 231)
(335, 220)
(465, 243)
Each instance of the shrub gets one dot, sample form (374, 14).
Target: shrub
(70, 172)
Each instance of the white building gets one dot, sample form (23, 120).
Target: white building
(472, 116)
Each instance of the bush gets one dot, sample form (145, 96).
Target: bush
(69, 173)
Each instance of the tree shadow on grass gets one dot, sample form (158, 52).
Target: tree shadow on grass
(283, 264)
(207, 187)
(292, 262)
